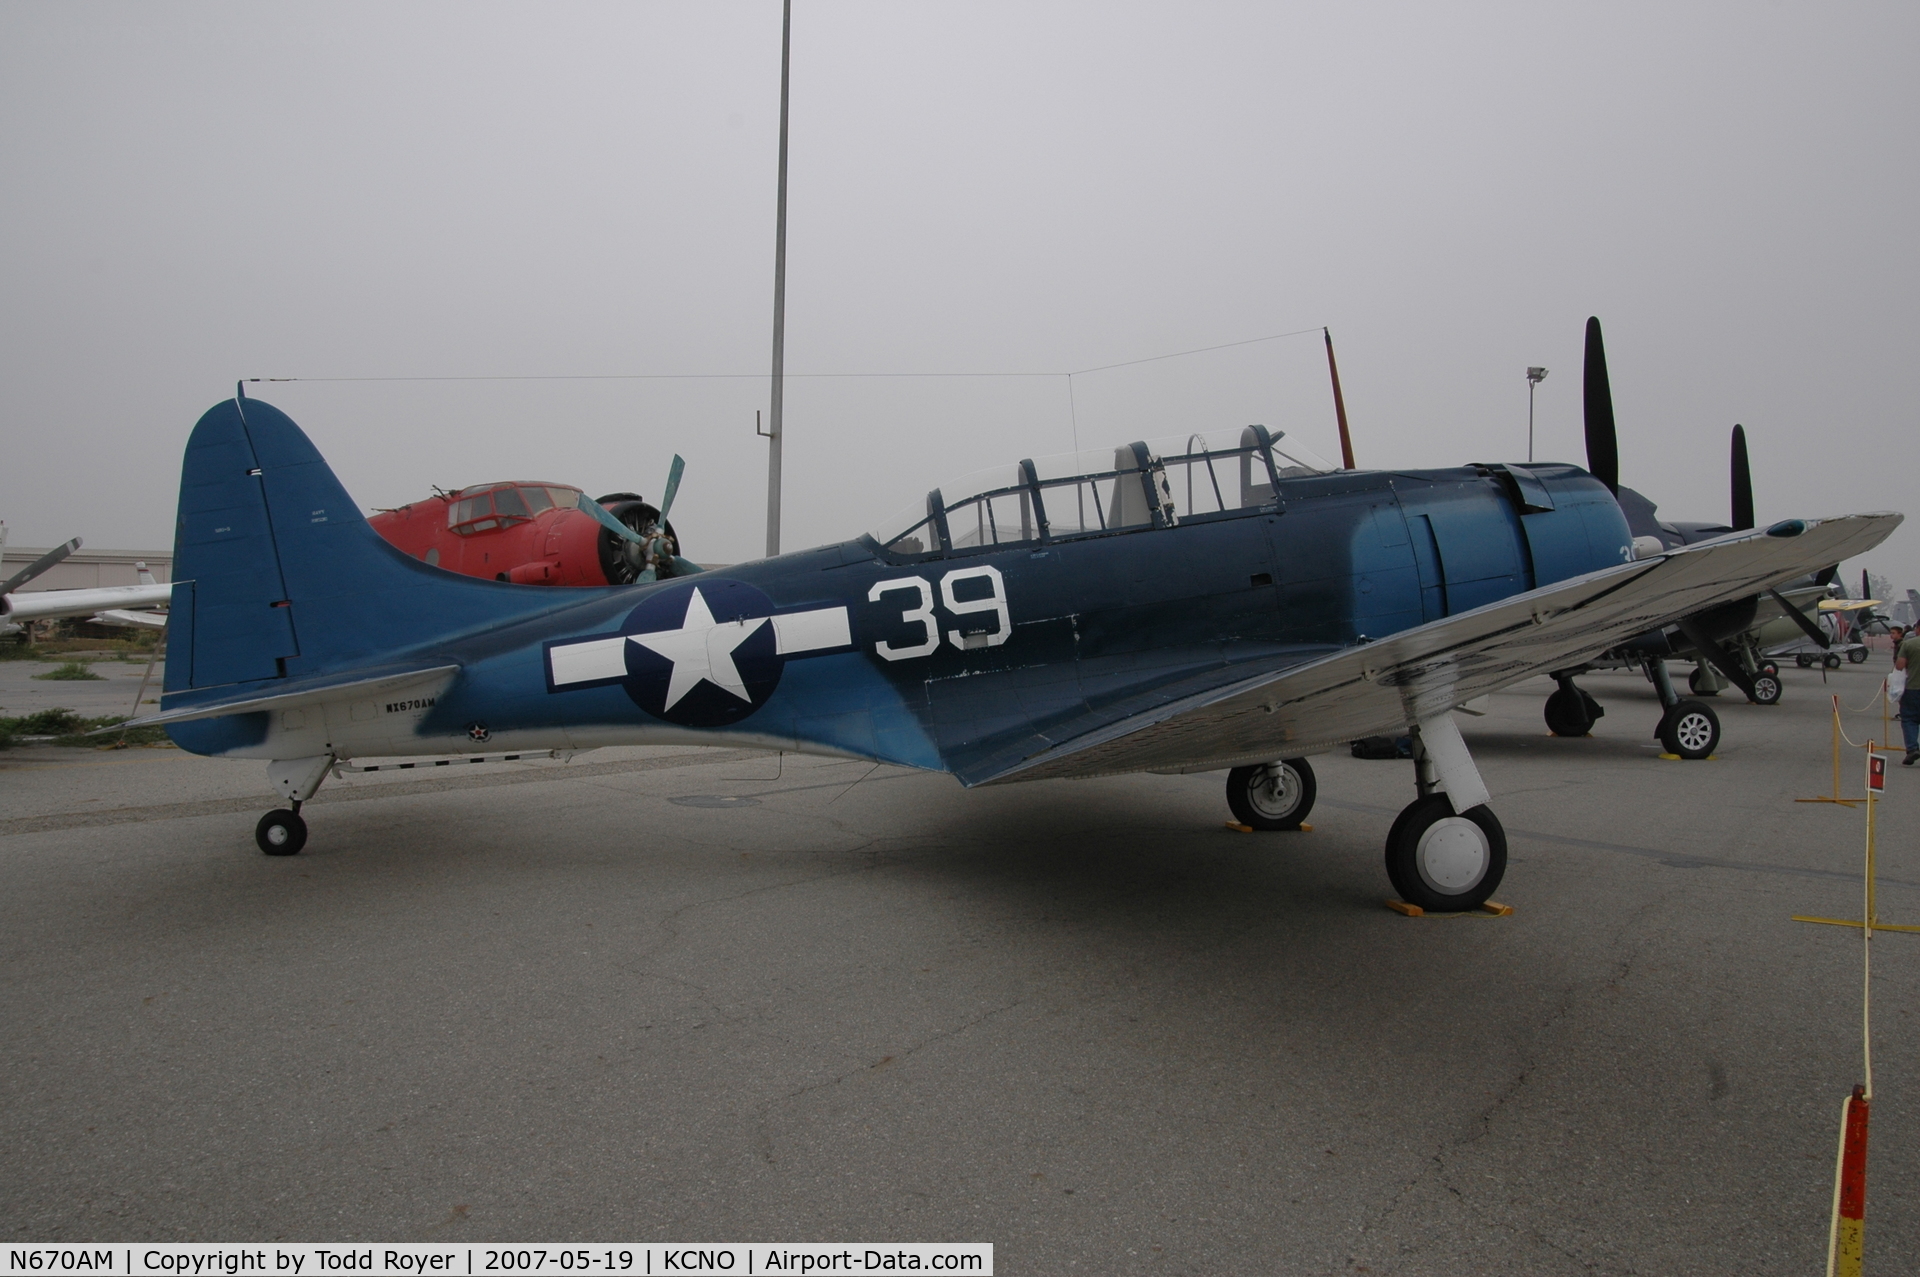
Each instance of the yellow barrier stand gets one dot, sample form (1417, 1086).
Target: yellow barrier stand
(1847, 1226)
(1835, 798)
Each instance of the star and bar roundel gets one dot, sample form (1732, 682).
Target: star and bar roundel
(703, 655)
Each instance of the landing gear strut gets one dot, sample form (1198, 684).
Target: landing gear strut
(1447, 851)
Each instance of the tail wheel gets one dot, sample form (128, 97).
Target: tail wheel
(1272, 795)
(281, 833)
(1446, 861)
(1766, 688)
(1691, 730)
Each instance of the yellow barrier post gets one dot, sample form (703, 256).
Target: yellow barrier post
(1835, 798)
(1847, 1225)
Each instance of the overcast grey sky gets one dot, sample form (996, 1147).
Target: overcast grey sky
(200, 192)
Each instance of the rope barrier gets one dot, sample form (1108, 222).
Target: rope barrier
(1846, 1228)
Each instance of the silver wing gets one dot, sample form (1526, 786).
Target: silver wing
(1418, 673)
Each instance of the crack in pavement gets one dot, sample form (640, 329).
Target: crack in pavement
(1438, 1168)
(763, 1138)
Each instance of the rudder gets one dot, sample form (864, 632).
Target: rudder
(278, 574)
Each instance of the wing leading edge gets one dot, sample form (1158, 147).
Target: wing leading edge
(1360, 691)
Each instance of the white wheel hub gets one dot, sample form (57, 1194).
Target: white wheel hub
(1275, 791)
(1452, 855)
(1693, 731)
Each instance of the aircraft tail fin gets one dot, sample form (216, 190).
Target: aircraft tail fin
(278, 576)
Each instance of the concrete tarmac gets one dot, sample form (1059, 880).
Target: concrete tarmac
(698, 996)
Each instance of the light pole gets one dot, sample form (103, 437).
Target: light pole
(1535, 375)
(776, 432)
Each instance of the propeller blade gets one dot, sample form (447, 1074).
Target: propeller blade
(1866, 586)
(1742, 483)
(1603, 448)
(608, 522)
(673, 485)
(1799, 618)
(39, 565)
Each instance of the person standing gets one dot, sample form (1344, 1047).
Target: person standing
(1905, 657)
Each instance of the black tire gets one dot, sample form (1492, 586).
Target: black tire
(1694, 680)
(1766, 688)
(1831, 660)
(1272, 796)
(1443, 862)
(1768, 667)
(1567, 712)
(1804, 662)
(1691, 730)
(1857, 655)
(281, 833)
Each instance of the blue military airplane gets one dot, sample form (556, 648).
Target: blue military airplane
(1219, 603)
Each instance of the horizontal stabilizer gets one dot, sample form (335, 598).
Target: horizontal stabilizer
(351, 685)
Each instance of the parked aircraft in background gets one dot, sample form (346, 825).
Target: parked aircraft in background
(541, 534)
(109, 604)
(1727, 643)
(1219, 602)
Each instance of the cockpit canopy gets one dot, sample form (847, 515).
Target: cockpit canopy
(1155, 483)
(483, 507)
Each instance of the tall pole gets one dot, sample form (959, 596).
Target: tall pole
(1339, 404)
(774, 432)
(1531, 383)
(1535, 375)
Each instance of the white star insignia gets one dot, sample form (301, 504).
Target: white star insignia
(701, 648)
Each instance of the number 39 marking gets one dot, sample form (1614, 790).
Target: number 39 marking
(922, 615)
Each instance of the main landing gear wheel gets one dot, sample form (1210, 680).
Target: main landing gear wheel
(1831, 660)
(281, 833)
(1272, 795)
(1443, 862)
(1769, 667)
(1858, 655)
(1804, 662)
(1690, 729)
(1766, 688)
(1571, 711)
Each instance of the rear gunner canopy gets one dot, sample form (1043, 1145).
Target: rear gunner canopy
(1154, 483)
